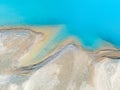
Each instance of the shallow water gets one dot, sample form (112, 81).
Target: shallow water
(87, 19)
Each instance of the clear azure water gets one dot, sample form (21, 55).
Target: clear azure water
(87, 19)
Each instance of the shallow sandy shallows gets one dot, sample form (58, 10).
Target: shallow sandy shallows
(36, 58)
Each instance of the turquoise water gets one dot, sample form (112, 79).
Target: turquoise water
(87, 19)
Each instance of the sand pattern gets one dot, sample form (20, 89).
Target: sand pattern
(39, 58)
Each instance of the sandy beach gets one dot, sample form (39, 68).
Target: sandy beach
(36, 58)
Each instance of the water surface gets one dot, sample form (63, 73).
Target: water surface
(89, 20)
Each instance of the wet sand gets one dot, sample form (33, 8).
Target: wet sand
(33, 59)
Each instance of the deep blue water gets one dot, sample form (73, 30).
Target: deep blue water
(87, 19)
